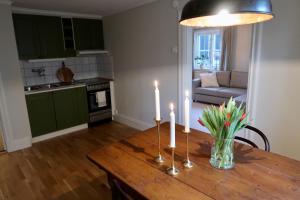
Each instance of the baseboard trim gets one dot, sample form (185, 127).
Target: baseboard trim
(134, 123)
(59, 133)
(19, 144)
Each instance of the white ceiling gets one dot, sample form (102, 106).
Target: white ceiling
(91, 7)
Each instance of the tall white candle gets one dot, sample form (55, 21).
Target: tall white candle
(172, 127)
(187, 112)
(157, 101)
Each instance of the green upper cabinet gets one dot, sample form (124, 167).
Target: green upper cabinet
(38, 37)
(41, 113)
(27, 36)
(51, 37)
(88, 34)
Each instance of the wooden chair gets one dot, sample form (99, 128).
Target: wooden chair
(121, 191)
(260, 133)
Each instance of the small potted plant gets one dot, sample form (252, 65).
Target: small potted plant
(223, 123)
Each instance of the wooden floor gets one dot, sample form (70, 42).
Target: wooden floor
(58, 168)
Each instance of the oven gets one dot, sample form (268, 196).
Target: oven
(99, 102)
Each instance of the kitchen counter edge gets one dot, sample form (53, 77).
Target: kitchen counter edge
(55, 89)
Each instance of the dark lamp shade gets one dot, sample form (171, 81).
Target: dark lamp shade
(218, 13)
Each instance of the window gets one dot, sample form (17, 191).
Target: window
(207, 49)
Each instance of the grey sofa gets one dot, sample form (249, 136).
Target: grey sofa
(232, 84)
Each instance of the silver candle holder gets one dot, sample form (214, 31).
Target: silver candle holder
(173, 171)
(187, 163)
(159, 158)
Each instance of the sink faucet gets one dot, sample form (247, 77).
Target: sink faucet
(40, 71)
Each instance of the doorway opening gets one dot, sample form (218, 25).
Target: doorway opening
(220, 63)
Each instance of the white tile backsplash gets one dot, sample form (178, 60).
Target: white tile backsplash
(82, 67)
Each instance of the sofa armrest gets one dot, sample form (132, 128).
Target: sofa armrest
(195, 84)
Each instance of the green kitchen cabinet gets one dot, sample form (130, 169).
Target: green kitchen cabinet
(42, 37)
(52, 111)
(70, 107)
(39, 37)
(41, 113)
(82, 105)
(27, 36)
(88, 34)
(51, 37)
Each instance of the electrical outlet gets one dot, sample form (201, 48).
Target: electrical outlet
(174, 50)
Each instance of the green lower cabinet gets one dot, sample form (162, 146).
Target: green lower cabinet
(57, 110)
(41, 113)
(70, 107)
(82, 105)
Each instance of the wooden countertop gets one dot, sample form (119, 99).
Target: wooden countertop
(257, 174)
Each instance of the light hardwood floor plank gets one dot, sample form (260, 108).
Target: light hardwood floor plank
(58, 168)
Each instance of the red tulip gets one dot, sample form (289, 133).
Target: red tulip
(227, 124)
(243, 116)
(200, 122)
(228, 115)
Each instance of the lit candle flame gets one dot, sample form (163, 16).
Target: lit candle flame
(186, 93)
(171, 106)
(156, 83)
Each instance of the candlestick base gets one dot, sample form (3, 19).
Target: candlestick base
(186, 132)
(188, 164)
(172, 171)
(159, 159)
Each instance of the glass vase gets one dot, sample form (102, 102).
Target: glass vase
(222, 153)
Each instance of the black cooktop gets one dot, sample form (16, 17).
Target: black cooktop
(93, 81)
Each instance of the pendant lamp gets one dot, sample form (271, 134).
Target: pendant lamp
(219, 13)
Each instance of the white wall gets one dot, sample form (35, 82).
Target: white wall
(276, 81)
(241, 48)
(141, 42)
(13, 106)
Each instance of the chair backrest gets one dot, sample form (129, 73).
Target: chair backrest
(262, 135)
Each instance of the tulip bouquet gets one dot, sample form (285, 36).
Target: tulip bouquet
(223, 123)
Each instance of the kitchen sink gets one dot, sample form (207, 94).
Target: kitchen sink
(47, 86)
(41, 87)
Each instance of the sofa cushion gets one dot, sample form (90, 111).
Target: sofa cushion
(209, 80)
(239, 80)
(210, 91)
(224, 78)
(196, 73)
(231, 92)
(241, 99)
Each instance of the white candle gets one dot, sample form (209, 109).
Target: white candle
(187, 112)
(172, 127)
(157, 101)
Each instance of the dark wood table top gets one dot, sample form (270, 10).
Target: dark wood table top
(257, 174)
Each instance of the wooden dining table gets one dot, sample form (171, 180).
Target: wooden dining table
(132, 170)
